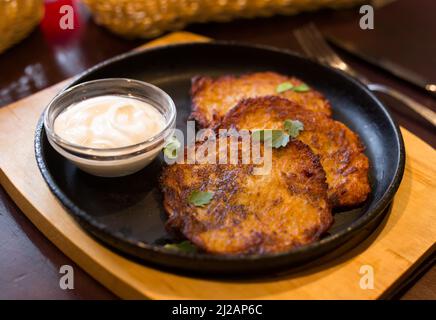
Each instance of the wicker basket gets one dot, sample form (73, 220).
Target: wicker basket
(149, 18)
(17, 20)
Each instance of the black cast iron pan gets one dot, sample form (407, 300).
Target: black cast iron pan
(127, 214)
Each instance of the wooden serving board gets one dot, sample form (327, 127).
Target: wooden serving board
(393, 251)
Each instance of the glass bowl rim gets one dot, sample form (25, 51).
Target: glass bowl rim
(69, 145)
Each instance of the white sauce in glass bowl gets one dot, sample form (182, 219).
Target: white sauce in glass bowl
(109, 121)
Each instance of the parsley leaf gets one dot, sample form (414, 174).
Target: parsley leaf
(277, 138)
(200, 198)
(184, 246)
(293, 127)
(285, 86)
(171, 149)
(301, 88)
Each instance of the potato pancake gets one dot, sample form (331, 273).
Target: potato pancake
(213, 98)
(340, 150)
(248, 213)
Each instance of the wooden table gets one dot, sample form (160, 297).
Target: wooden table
(31, 267)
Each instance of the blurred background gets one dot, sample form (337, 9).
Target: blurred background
(37, 52)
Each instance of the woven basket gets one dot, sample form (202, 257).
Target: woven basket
(149, 18)
(17, 20)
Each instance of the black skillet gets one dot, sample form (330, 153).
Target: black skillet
(127, 213)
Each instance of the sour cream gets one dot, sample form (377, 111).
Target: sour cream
(109, 121)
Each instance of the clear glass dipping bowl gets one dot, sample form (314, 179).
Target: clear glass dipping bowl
(111, 162)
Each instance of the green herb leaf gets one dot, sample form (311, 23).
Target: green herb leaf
(293, 127)
(285, 86)
(301, 88)
(184, 246)
(277, 138)
(200, 198)
(172, 147)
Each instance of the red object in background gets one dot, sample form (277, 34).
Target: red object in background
(51, 23)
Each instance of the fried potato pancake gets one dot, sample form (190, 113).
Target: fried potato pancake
(250, 214)
(340, 150)
(213, 98)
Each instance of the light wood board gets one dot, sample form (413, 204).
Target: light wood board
(393, 251)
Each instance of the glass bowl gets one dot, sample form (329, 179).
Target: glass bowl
(111, 162)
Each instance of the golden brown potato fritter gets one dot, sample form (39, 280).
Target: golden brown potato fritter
(213, 98)
(339, 148)
(250, 214)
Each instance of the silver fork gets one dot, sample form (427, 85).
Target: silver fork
(314, 45)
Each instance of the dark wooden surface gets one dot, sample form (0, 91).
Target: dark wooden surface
(29, 264)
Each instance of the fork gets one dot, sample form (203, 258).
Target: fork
(316, 48)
